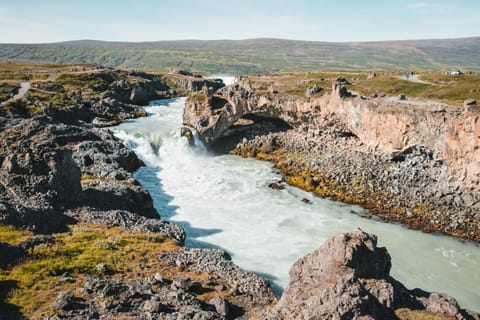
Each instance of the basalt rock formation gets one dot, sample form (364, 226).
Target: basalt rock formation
(348, 278)
(60, 170)
(406, 160)
(234, 110)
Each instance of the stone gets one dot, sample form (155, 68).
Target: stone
(187, 133)
(276, 186)
(313, 90)
(222, 306)
(103, 268)
(152, 305)
(470, 102)
(64, 301)
(158, 278)
(182, 283)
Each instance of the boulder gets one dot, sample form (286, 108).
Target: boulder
(187, 133)
(313, 90)
(348, 277)
(470, 102)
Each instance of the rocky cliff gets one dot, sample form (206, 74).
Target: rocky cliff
(421, 155)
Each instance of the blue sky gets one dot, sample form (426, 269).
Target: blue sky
(35, 21)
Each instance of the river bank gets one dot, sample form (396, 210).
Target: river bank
(80, 237)
(224, 201)
(407, 162)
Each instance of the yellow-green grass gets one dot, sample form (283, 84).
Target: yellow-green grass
(59, 100)
(20, 107)
(33, 284)
(38, 66)
(7, 88)
(22, 76)
(199, 97)
(81, 80)
(439, 87)
(13, 236)
(297, 83)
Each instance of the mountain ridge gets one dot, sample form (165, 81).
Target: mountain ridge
(258, 55)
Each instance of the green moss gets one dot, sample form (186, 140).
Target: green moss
(198, 97)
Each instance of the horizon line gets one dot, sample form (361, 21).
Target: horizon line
(237, 40)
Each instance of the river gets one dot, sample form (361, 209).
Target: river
(224, 201)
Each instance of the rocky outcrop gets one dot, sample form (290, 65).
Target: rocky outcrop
(234, 109)
(348, 278)
(407, 161)
(54, 174)
(158, 295)
(192, 84)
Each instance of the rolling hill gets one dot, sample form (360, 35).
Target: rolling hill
(258, 55)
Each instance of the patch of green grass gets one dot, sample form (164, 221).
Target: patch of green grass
(23, 76)
(391, 86)
(59, 100)
(94, 81)
(198, 97)
(440, 87)
(408, 314)
(171, 84)
(6, 89)
(76, 253)
(12, 236)
(20, 107)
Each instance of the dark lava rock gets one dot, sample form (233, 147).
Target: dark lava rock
(276, 186)
(64, 301)
(222, 306)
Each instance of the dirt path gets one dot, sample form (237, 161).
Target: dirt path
(52, 76)
(415, 78)
(24, 86)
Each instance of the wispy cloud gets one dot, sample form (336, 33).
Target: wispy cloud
(427, 6)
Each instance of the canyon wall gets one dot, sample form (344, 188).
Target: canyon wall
(383, 124)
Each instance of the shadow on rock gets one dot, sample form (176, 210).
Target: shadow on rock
(9, 311)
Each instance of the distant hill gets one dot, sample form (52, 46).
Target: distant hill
(258, 55)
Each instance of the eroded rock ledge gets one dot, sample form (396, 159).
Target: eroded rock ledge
(408, 161)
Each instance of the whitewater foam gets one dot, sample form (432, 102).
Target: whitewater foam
(224, 201)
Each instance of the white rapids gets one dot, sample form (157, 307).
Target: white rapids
(224, 201)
